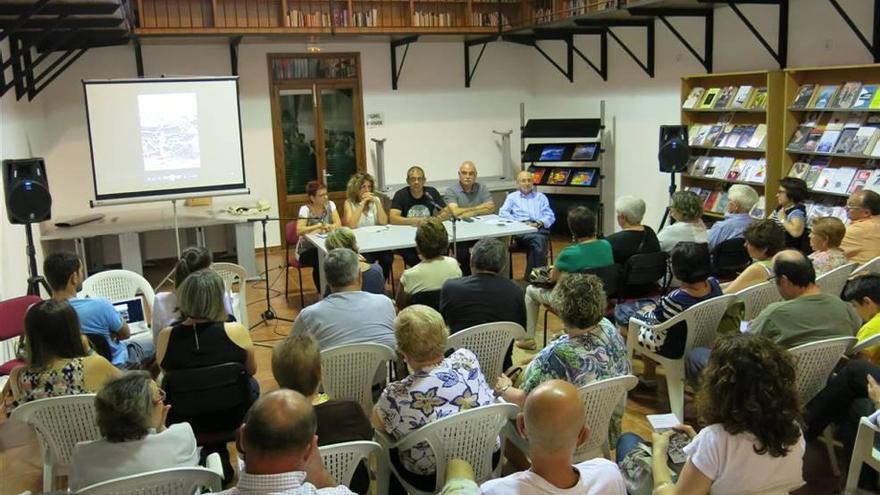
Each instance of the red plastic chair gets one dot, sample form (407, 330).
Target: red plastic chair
(12, 313)
(292, 237)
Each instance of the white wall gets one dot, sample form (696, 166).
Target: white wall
(432, 119)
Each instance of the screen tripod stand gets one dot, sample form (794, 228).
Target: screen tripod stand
(268, 314)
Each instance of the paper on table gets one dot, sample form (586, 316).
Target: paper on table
(662, 422)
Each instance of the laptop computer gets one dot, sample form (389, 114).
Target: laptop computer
(132, 312)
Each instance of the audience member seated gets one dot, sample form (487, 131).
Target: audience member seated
(752, 442)
(586, 252)
(436, 388)
(805, 315)
(591, 348)
(204, 338)
(281, 449)
(690, 264)
(435, 268)
(549, 422)
(57, 356)
(412, 205)
(131, 416)
(763, 239)
(687, 211)
(296, 364)
(165, 312)
(65, 275)
(791, 212)
(633, 238)
(363, 208)
(740, 200)
(532, 208)
(465, 199)
(460, 479)
(863, 292)
(348, 315)
(373, 279)
(862, 240)
(318, 216)
(825, 241)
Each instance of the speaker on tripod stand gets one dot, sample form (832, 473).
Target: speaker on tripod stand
(673, 156)
(28, 201)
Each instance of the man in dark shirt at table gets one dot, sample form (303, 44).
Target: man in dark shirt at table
(484, 296)
(412, 205)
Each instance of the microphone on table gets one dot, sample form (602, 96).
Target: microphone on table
(441, 208)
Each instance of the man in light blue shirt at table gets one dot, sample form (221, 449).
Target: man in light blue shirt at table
(532, 208)
(740, 200)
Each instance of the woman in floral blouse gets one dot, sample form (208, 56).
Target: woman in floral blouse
(825, 240)
(436, 387)
(591, 348)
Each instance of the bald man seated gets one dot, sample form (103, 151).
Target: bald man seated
(533, 208)
(281, 449)
(547, 423)
(465, 199)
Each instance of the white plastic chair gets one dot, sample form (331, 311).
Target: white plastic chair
(60, 423)
(342, 459)
(489, 342)
(600, 398)
(349, 371)
(871, 266)
(758, 297)
(865, 344)
(701, 321)
(116, 285)
(863, 453)
(832, 282)
(814, 363)
(470, 435)
(171, 481)
(233, 274)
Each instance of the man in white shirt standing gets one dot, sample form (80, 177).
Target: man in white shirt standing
(281, 449)
(546, 421)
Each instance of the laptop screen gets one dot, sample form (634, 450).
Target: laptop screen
(131, 310)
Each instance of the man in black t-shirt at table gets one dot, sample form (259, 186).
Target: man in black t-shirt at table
(413, 204)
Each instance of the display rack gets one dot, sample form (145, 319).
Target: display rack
(732, 135)
(565, 156)
(835, 170)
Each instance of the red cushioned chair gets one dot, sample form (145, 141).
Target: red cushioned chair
(12, 313)
(292, 237)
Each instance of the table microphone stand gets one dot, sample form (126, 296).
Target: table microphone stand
(452, 218)
(269, 313)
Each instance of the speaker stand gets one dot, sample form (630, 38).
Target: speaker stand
(34, 279)
(672, 188)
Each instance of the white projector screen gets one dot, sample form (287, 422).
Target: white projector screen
(169, 138)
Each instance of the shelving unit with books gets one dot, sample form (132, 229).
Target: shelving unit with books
(832, 133)
(735, 131)
(544, 11)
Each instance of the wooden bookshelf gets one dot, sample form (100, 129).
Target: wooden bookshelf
(795, 116)
(771, 116)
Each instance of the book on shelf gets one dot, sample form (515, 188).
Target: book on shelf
(866, 94)
(759, 208)
(742, 97)
(711, 138)
(709, 98)
(836, 122)
(875, 102)
(820, 210)
(813, 175)
(710, 200)
(824, 96)
(813, 139)
(582, 177)
(725, 97)
(859, 181)
(736, 170)
(700, 166)
(722, 166)
(873, 182)
(855, 120)
(745, 137)
(844, 144)
(693, 97)
(691, 165)
(759, 135)
(803, 96)
(827, 141)
(757, 171)
(703, 194)
(537, 174)
(558, 177)
(799, 170)
(759, 99)
(865, 140)
(875, 151)
(843, 177)
(825, 179)
(799, 137)
(847, 94)
(721, 204)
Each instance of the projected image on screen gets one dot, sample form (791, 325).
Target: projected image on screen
(169, 131)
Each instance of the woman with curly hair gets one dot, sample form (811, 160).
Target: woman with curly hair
(752, 442)
(435, 268)
(590, 349)
(687, 211)
(363, 208)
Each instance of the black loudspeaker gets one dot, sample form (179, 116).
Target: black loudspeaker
(674, 150)
(27, 191)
